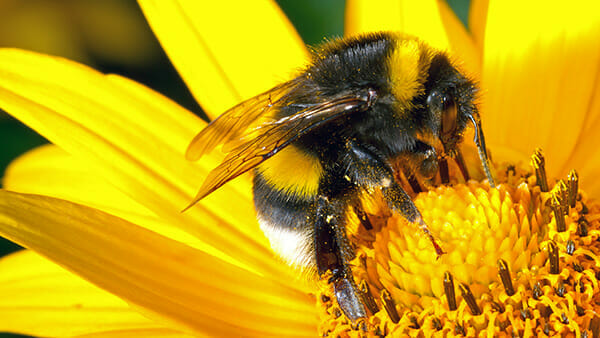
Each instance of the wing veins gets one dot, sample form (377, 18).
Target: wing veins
(276, 135)
(235, 121)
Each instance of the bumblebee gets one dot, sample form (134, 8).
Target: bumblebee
(363, 109)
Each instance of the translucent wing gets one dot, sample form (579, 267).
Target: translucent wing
(271, 137)
(234, 122)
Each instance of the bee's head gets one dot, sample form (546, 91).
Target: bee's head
(450, 99)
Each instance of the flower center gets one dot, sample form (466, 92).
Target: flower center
(519, 259)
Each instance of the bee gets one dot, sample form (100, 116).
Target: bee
(363, 109)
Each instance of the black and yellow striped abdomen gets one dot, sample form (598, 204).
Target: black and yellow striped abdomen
(285, 189)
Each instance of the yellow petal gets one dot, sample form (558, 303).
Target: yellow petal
(430, 20)
(226, 52)
(50, 171)
(461, 42)
(585, 158)
(477, 20)
(86, 112)
(41, 298)
(173, 281)
(146, 333)
(539, 74)
(369, 16)
(419, 18)
(133, 138)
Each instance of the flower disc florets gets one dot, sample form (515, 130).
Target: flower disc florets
(519, 261)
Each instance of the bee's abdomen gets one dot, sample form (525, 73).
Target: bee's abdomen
(293, 171)
(287, 221)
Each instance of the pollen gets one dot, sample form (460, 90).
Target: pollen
(521, 259)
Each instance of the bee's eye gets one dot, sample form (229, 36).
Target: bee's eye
(449, 112)
(444, 106)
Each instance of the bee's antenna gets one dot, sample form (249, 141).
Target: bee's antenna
(482, 150)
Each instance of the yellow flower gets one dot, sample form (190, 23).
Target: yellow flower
(104, 201)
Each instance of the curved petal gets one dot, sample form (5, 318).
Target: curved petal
(171, 280)
(478, 12)
(418, 18)
(146, 333)
(226, 52)
(50, 171)
(41, 298)
(133, 138)
(539, 74)
(461, 42)
(586, 155)
(430, 20)
(369, 16)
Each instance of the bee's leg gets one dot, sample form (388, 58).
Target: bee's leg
(420, 159)
(399, 201)
(372, 172)
(425, 158)
(362, 215)
(412, 181)
(332, 256)
(460, 161)
(444, 172)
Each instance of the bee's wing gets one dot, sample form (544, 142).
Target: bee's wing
(271, 137)
(234, 122)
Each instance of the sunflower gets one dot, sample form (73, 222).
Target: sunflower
(109, 253)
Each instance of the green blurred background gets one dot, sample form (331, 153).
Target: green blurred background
(112, 36)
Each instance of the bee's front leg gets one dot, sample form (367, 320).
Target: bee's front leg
(332, 254)
(424, 158)
(421, 161)
(370, 171)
